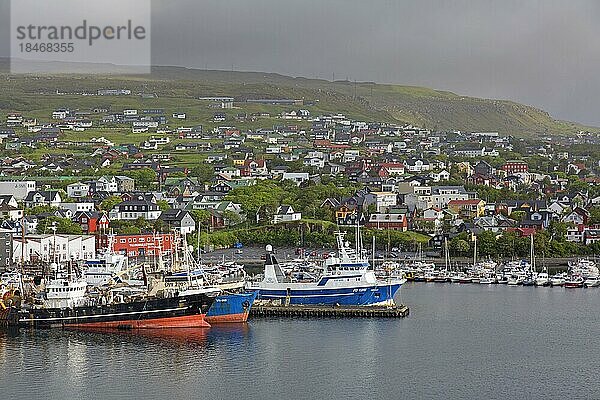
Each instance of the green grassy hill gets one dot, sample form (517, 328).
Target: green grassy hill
(423, 107)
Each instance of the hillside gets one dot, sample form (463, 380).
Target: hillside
(424, 107)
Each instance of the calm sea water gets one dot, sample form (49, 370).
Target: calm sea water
(460, 341)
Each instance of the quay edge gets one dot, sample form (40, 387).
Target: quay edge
(303, 311)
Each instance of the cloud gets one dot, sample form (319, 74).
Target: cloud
(540, 52)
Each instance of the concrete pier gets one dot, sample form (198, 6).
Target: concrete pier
(307, 311)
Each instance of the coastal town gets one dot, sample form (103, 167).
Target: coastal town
(299, 199)
(117, 203)
(285, 176)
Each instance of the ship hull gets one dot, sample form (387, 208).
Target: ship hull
(178, 312)
(350, 296)
(187, 321)
(230, 308)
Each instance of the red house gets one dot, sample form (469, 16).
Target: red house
(91, 221)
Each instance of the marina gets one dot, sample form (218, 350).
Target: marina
(181, 292)
(474, 341)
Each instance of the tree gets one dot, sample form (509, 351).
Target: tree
(161, 226)
(144, 178)
(594, 215)
(130, 230)
(260, 201)
(459, 245)
(41, 209)
(486, 243)
(204, 172)
(109, 203)
(558, 230)
(231, 218)
(505, 244)
(518, 215)
(63, 226)
(163, 205)
(200, 216)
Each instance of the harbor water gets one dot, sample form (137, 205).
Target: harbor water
(459, 342)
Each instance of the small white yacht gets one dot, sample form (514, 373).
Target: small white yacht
(584, 267)
(542, 279)
(10, 278)
(515, 279)
(558, 279)
(592, 281)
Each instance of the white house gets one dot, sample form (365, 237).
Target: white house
(9, 208)
(350, 155)
(297, 177)
(180, 220)
(61, 248)
(78, 189)
(417, 165)
(440, 176)
(78, 206)
(19, 189)
(286, 214)
(394, 168)
(558, 208)
(43, 197)
(134, 209)
(384, 200)
(433, 213)
(314, 162)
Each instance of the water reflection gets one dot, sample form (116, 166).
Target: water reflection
(459, 342)
(178, 336)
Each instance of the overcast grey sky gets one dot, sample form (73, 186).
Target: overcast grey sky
(545, 53)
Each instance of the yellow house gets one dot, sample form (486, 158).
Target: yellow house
(467, 209)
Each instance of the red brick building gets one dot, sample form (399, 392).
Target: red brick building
(515, 166)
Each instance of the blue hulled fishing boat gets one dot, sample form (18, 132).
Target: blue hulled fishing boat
(348, 280)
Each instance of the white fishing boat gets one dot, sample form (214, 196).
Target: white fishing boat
(11, 278)
(515, 279)
(457, 277)
(65, 291)
(108, 265)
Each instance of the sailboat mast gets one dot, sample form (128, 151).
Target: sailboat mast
(186, 260)
(373, 250)
(198, 242)
(532, 255)
(447, 256)
(475, 251)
